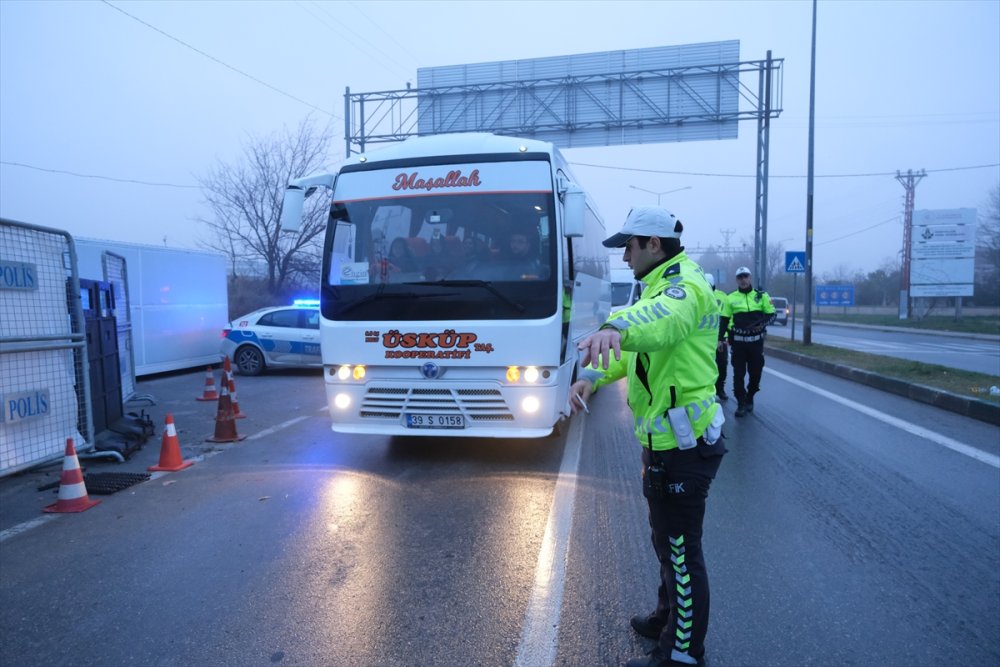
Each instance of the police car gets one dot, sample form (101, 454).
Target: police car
(286, 336)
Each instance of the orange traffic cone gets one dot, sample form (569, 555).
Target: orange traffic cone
(225, 422)
(236, 404)
(170, 451)
(227, 367)
(210, 393)
(72, 491)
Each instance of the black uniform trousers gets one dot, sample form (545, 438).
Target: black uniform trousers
(676, 514)
(721, 362)
(747, 357)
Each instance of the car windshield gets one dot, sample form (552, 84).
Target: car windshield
(620, 294)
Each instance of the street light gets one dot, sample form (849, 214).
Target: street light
(659, 194)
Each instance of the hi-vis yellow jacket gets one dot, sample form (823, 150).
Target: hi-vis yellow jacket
(668, 352)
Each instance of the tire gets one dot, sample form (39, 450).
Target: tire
(249, 360)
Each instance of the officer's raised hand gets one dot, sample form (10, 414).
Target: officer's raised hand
(597, 347)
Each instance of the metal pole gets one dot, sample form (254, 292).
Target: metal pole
(909, 183)
(764, 172)
(795, 287)
(807, 320)
(347, 120)
(760, 179)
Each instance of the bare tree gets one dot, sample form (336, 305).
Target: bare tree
(245, 198)
(988, 251)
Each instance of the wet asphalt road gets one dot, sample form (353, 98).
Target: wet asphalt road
(833, 538)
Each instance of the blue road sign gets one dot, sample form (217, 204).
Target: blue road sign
(795, 261)
(835, 295)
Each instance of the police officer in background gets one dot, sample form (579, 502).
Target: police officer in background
(665, 345)
(749, 311)
(721, 348)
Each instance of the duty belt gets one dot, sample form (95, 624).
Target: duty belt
(747, 339)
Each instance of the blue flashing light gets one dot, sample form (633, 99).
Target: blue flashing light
(305, 302)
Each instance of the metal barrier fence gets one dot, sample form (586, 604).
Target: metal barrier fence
(116, 273)
(44, 374)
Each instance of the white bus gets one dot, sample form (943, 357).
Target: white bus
(459, 272)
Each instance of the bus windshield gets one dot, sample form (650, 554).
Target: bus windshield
(488, 255)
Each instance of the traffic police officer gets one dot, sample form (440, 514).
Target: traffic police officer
(748, 312)
(665, 344)
(721, 353)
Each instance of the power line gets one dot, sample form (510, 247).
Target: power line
(345, 34)
(103, 178)
(216, 60)
(855, 233)
(175, 185)
(384, 32)
(696, 173)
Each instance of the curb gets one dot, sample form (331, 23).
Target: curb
(963, 405)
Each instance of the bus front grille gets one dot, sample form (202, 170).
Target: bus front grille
(476, 404)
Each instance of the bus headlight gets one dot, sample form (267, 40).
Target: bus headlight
(346, 372)
(531, 374)
(530, 405)
(513, 374)
(341, 401)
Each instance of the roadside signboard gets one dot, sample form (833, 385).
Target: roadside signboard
(835, 295)
(943, 252)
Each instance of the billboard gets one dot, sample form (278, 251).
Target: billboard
(670, 93)
(943, 252)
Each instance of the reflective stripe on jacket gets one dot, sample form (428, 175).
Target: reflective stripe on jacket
(668, 351)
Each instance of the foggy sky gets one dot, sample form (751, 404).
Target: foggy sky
(900, 85)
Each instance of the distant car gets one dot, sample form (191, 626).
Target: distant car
(286, 337)
(624, 294)
(780, 304)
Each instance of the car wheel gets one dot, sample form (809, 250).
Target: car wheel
(249, 360)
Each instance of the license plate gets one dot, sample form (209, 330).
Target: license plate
(435, 421)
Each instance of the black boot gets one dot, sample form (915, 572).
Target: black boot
(648, 626)
(742, 410)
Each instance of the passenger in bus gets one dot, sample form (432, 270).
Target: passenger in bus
(401, 257)
(520, 256)
(438, 262)
(474, 250)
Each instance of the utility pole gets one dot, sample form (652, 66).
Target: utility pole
(763, 147)
(909, 183)
(807, 320)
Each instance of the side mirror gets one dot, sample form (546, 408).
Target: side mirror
(290, 219)
(291, 209)
(574, 210)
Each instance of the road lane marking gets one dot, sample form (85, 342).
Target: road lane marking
(944, 441)
(540, 633)
(34, 523)
(275, 429)
(26, 526)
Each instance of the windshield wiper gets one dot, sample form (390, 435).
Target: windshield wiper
(382, 294)
(376, 297)
(485, 284)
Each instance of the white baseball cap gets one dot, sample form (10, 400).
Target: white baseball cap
(743, 270)
(646, 221)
